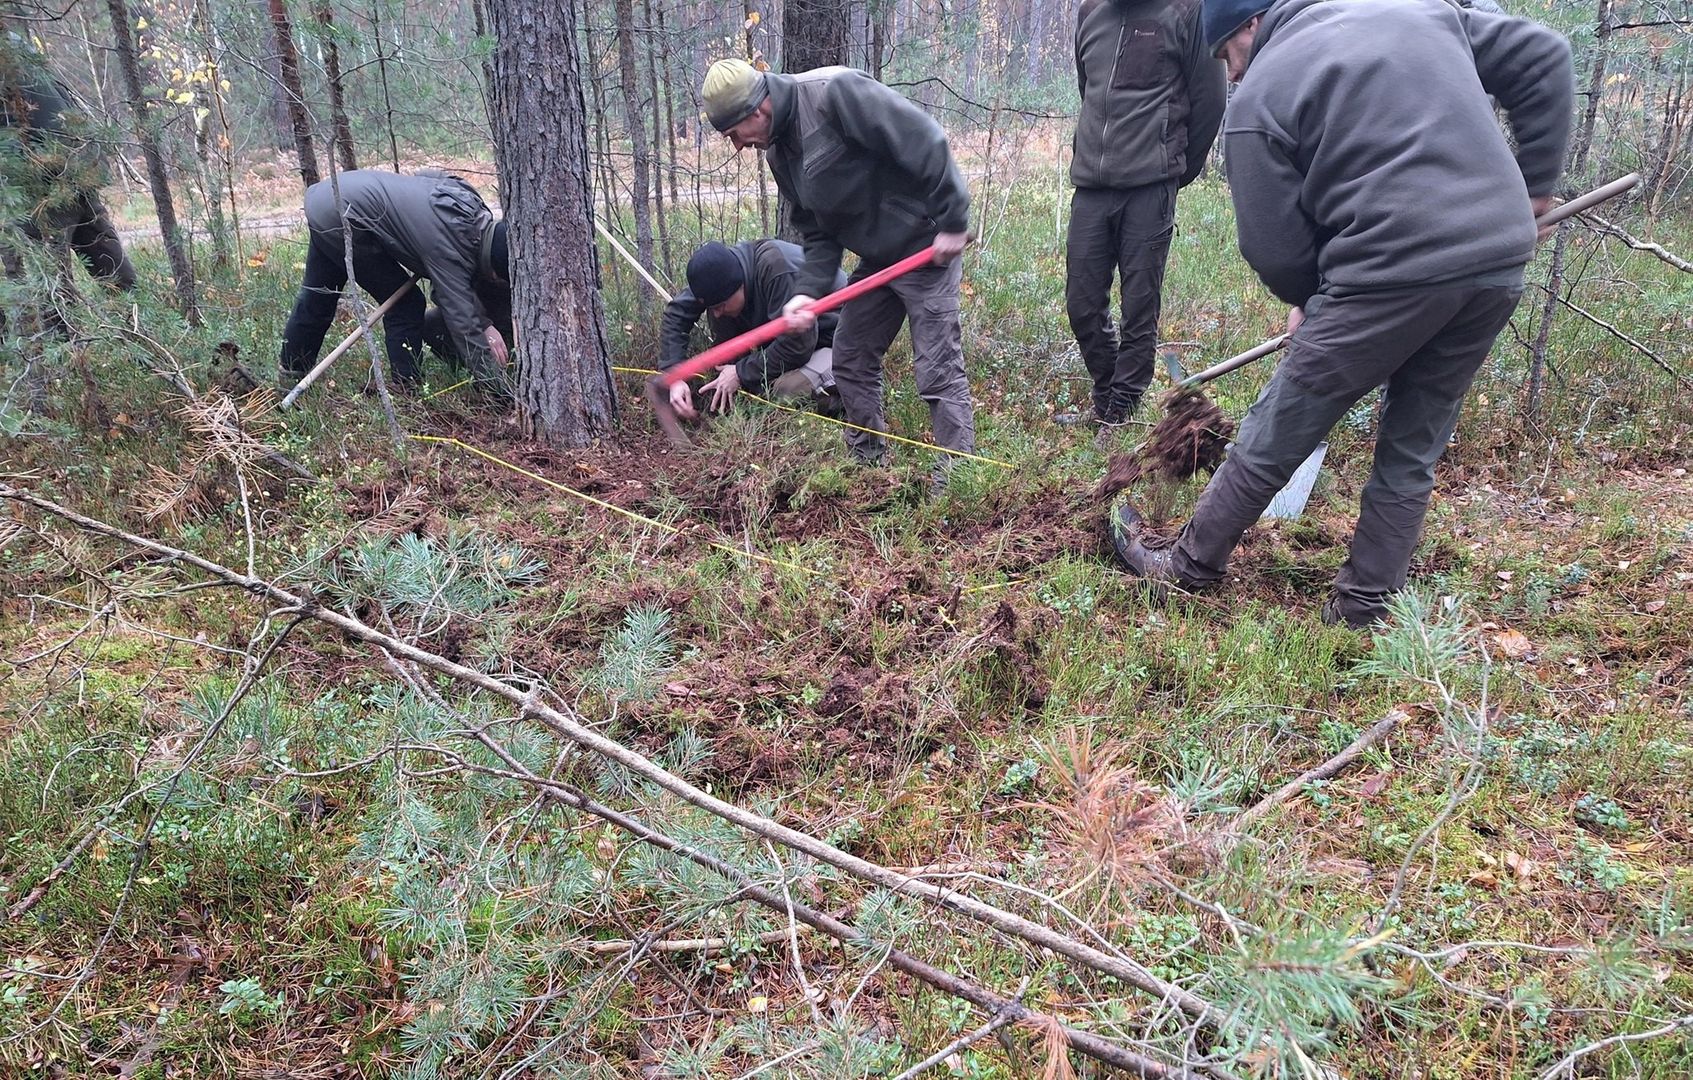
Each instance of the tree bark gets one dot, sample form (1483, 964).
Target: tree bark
(815, 33)
(634, 123)
(565, 393)
(337, 90)
(660, 226)
(1543, 335)
(298, 118)
(147, 137)
(1595, 89)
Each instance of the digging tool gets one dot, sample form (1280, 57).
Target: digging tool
(1561, 212)
(657, 390)
(1290, 501)
(358, 332)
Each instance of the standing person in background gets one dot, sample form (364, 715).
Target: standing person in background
(1152, 98)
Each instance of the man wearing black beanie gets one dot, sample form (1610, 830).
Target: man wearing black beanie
(738, 289)
(1376, 195)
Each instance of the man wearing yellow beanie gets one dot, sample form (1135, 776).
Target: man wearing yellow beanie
(865, 171)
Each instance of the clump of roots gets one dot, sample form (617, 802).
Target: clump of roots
(1190, 438)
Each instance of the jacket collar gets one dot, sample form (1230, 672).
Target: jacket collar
(781, 90)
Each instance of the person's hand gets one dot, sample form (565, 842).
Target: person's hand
(797, 314)
(1541, 204)
(682, 400)
(948, 246)
(1295, 316)
(497, 346)
(722, 389)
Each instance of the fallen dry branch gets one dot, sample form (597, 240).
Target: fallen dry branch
(574, 730)
(1327, 770)
(999, 1020)
(1607, 228)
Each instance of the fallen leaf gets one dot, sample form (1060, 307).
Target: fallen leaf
(757, 1004)
(1485, 878)
(1521, 865)
(1513, 644)
(1374, 784)
(1654, 606)
(676, 689)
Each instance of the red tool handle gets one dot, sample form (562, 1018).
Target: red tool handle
(737, 347)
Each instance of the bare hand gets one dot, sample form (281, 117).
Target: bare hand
(1295, 316)
(948, 246)
(682, 400)
(798, 315)
(497, 346)
(722, 389)
(1541, 204)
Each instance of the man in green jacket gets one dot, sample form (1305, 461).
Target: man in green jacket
(866, 171)
(1152, 98)
(49, 156)
(738, 289)
(1376, 195)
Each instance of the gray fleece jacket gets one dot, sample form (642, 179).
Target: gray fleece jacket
(866, 170)
(1151, 96)
(1363, 153)
(433, 224)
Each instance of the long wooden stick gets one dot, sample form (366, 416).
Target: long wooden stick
(352, 338)
(577, 731)
(1551, 217)
(633, 262)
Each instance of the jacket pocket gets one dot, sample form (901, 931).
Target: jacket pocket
(1141, 63)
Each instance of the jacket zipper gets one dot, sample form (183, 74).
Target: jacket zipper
(1116, 58)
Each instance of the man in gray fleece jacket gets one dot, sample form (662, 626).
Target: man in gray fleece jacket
(1152, 97)
(1376, 195)
(865, 171)
(433, 225)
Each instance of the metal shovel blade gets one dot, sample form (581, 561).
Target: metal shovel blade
(1290, 501)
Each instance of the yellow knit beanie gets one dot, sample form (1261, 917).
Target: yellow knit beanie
(733, 89)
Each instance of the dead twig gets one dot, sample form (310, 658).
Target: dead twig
(999, 1020)
(1632, 343)
(1607, 228)
(1565, 1065)
(1328, 769)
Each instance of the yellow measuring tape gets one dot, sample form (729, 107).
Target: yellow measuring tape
(446, 389)
(843, 423)
(585, 497)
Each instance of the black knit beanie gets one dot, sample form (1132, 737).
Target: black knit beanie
(714, 273)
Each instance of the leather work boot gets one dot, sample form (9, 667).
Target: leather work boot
(1335, 615)
(1153, 564)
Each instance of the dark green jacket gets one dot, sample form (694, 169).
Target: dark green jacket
(47, 140)
(1363, 152)
(1151, 97)
(866, 170)
(768, 267)
(433, 225)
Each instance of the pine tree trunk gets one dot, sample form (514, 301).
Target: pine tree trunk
(337, 91)
(289, 58)
(147, 137)
(602, 141)
(382, 71)
(815, 33)
(1595, 90)
(565, 393)
(660, 226)
(641, 196)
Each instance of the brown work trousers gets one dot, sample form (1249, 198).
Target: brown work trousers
(1424, 347)
(928, 298)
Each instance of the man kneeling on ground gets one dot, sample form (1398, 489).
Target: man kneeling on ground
(739, 289)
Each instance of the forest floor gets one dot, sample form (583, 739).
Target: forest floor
(316, 881)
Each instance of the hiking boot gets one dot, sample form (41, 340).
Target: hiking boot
(827, 402)
(287, 380)
(1154, 564)
(1334, 614)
